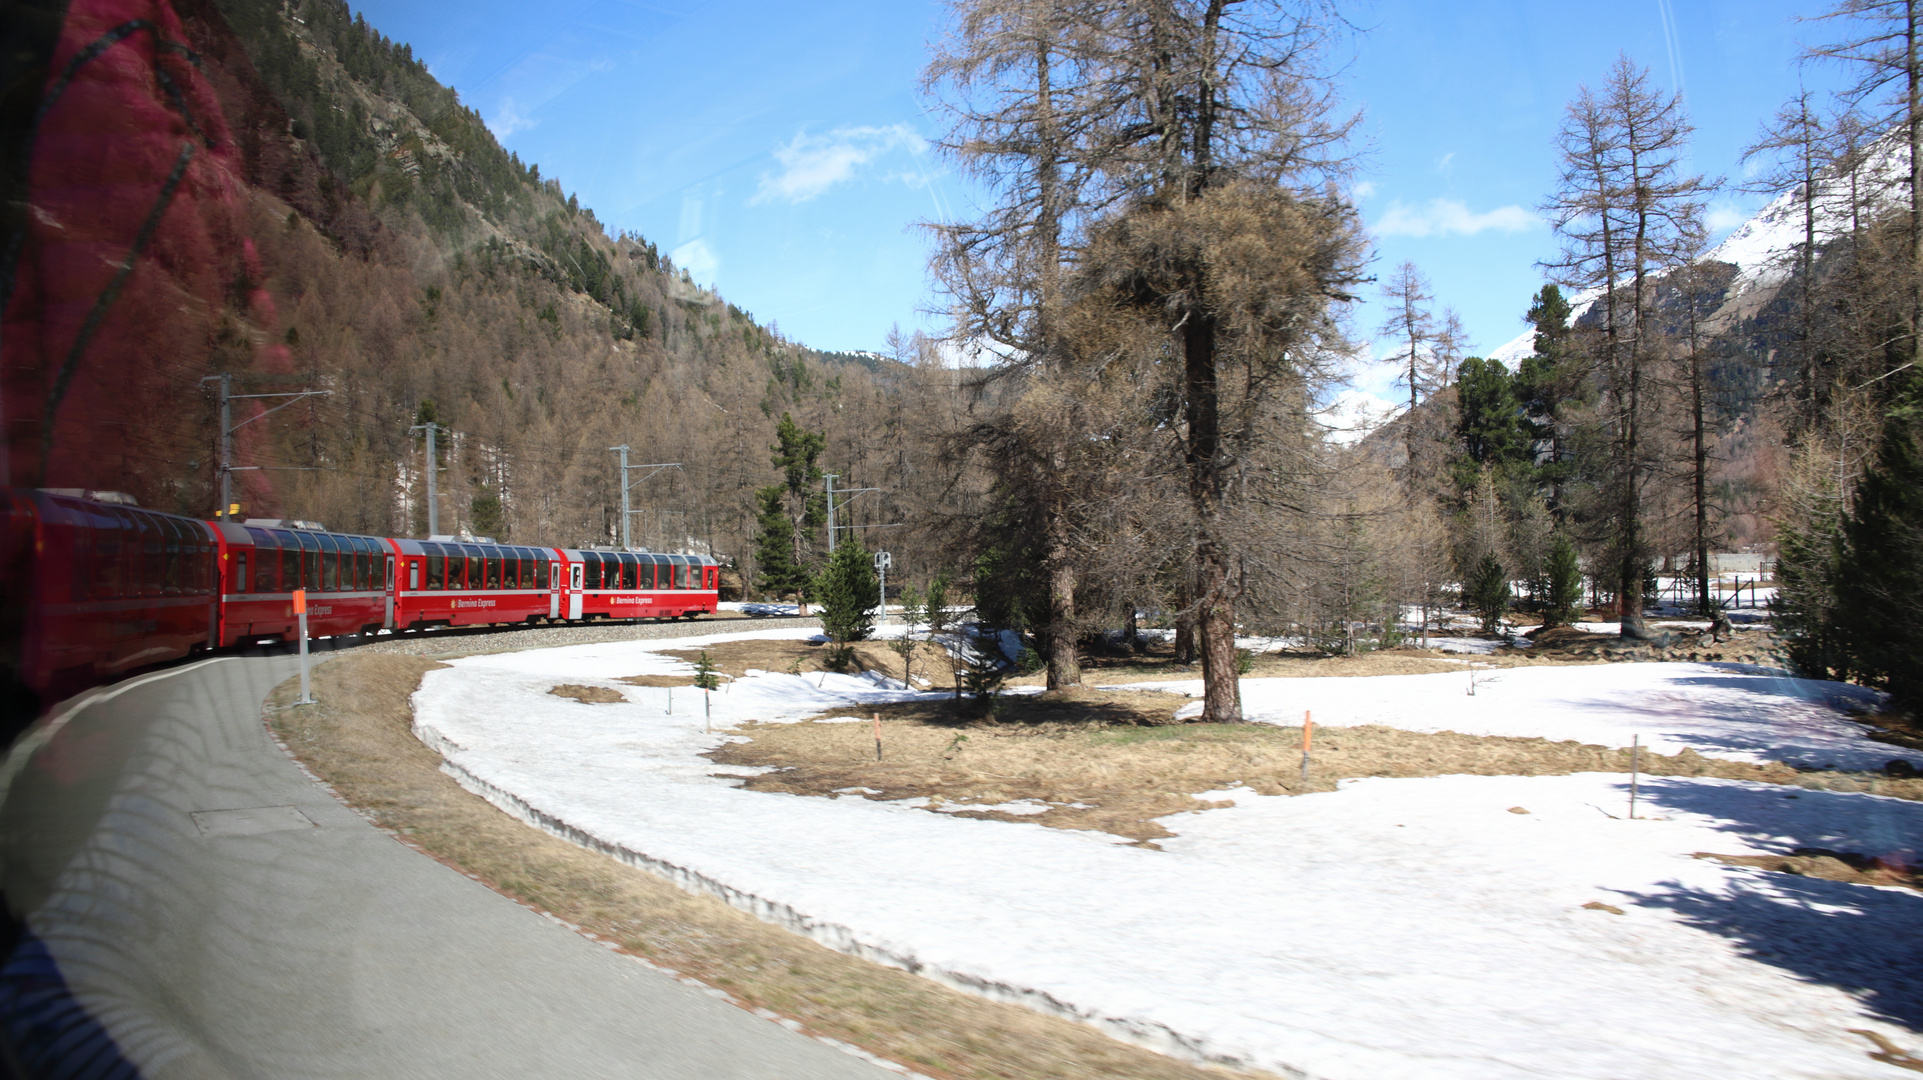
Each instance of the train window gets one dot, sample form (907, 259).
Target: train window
(186, 559)
(145, 579)
(492, 568)
(682, 575)
(167, 537)
(369, 565)
(329, 563)
(527, 571)
(590, 570)
(476, 573)
(310, 560)
(627, 570)
(266, 562)
(104, 531)
(240, 572)
(289, 578)
(436, 566)
(541, 573)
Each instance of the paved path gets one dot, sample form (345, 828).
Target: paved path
(221, 915)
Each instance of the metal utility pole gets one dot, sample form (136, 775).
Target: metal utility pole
(626, 485)
(829, 478)
(433, 466)
(228, 427)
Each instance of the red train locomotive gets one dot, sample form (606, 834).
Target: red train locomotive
(92, 586)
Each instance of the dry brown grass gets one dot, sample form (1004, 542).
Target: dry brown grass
(588, 695)
(358, 740)
(658, 680)
(1111, 762)
(1830, 866)
(737, 658)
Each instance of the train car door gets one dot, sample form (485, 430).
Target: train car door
(554, 587)
(389, 616)
(574, 590)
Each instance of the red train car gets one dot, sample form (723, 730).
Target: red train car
(108, 587)
(455, 583)
(447, 583)
(639, 585)
(349, 581)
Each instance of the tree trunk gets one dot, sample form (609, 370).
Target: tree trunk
(1064, 665)
(1215, 614)
(1701, 463)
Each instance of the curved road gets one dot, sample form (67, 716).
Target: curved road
(187, 902)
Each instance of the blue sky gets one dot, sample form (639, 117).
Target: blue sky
(777, 149)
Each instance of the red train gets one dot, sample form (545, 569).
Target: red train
(92, 586)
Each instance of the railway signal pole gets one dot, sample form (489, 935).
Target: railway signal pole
(433, 466)
(225, 383)
(626, 485)
(829, 479)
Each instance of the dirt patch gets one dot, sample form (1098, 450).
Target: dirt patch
(588, 695)
(359, 740)
(658, 680)
(1845, 866)
(1111, 762)
(929, 665)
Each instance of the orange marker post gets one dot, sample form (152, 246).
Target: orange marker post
(1308, 732)
(300, 611)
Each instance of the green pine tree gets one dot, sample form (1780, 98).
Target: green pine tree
(1490, 421)
(776, 574)
(1880, 584)
(1564, 596)
(1487, 592)
(847, 592)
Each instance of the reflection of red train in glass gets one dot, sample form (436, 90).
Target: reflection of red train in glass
(92, 586)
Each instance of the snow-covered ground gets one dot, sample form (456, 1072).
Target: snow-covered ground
(1719, 710)
(1392, 928)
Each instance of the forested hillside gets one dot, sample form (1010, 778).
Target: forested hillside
(351, 227)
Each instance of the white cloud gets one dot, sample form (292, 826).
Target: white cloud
(811, 164)
(509, 119)
(1364, 190)
(698, 259)
(1446, 217)
(1724, 217)
(1443, 165)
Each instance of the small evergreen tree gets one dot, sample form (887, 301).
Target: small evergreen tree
(1487, 591)
(1563, 601)
(936, 601)
(1880, 584)
(705, 676)
(846, 591)
(912, 615)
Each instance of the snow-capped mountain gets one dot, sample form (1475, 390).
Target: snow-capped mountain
(1763, 248)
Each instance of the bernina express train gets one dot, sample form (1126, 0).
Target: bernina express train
(93, 586)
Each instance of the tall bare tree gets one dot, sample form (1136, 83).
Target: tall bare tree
(1627, 213)
(1217, 147)
(1011, 76)
(1885, 49)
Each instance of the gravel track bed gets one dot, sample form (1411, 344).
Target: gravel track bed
(445, 644)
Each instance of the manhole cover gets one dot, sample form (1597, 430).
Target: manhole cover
(250, 821)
